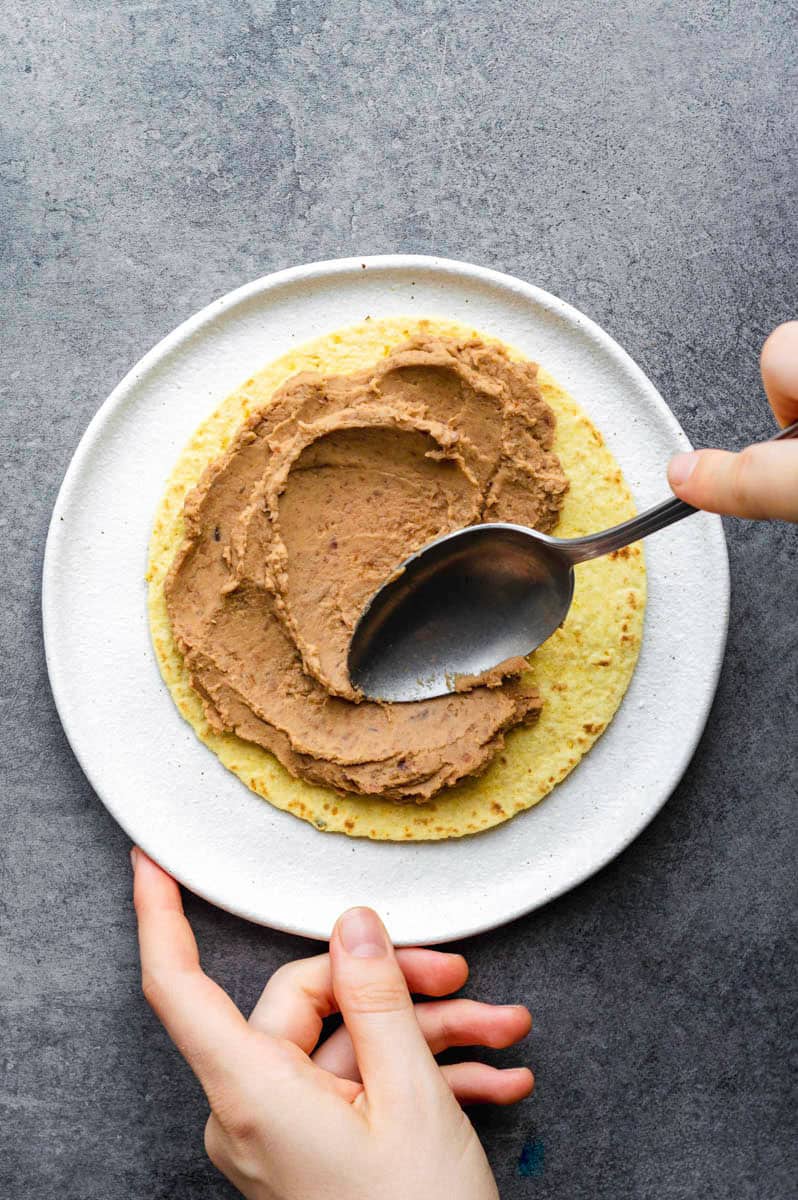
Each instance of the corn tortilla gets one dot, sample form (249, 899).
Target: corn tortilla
(582, 672)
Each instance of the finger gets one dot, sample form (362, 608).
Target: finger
(373, 999)
(477, 1083)
(448, 1023)
(300, 995)
(760, 482)
(444, 1023)
(432, 972)
(201, 1019)
(779, 365)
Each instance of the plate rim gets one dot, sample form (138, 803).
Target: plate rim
(313, 271)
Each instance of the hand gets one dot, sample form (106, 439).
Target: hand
(762, 480)
(369, 1115)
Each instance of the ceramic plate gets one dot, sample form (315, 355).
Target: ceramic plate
(169, 792)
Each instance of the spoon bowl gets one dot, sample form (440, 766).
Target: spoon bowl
(459, 606)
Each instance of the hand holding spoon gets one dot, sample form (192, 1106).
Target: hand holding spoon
(476, 597)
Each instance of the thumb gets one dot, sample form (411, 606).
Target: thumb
(779, 365)
(375, 1004)
(760, 482)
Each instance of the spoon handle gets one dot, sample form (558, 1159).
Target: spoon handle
(594, 545)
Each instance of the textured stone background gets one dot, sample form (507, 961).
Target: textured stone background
(637, 159)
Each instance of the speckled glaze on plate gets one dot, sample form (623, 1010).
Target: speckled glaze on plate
(174, 798)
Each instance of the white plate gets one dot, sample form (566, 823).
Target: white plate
(172, 795)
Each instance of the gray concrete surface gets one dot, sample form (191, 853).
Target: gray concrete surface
(637, 159)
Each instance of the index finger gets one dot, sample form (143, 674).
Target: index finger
(779, 365)
(200, 1018)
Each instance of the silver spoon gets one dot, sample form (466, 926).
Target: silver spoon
(474, 598)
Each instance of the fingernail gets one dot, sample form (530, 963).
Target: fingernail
(362, 934)
(681, 468)
(134, 855)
